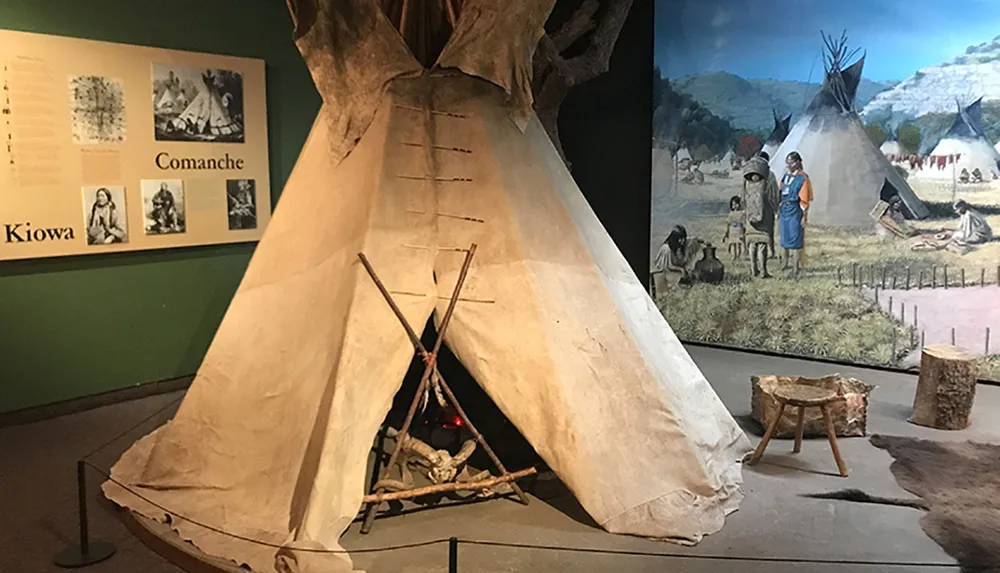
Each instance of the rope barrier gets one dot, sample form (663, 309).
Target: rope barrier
(510, 545)
(135, 426)
(454, 542)
(710, 557)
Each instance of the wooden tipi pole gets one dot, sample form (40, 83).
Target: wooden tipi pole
(430, 369)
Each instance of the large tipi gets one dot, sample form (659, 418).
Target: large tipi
(207, 113)
(848, 172)
(964, 147)
(778, 134)
(408, 161)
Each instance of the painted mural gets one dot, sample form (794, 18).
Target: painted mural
(826, 176)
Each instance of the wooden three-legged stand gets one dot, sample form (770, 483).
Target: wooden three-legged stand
(374, 500)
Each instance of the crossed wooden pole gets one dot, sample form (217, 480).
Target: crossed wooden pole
(375, 499)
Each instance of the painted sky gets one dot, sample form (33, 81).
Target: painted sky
(780, 39)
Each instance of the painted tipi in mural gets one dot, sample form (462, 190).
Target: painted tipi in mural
(208, 112)
(419, 151)
(848, 172)
(777, 135)
(964, 153)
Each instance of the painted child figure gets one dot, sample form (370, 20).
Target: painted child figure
(735, 228)
(796, 194)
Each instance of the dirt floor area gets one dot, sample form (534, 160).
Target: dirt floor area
(775, 530)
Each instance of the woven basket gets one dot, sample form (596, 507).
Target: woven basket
(850, 416)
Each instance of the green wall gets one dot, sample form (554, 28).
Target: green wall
(76, 326)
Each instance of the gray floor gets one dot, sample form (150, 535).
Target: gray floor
(775, 528)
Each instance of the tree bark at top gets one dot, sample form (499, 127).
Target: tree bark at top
(555, 73)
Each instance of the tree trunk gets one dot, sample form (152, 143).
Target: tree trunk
(554, 74)
(946, 388)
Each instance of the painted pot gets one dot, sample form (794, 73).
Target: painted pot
(709, 269)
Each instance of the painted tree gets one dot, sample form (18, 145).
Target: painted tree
(909, 137)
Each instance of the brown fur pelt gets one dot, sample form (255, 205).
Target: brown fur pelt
(960, 484)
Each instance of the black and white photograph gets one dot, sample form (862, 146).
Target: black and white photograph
(195, 104)
(163, 206)
(241, 201)
(97, 109)
(105, 214)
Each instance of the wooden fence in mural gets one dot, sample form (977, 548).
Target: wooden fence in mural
(885, 279)
(891, 278)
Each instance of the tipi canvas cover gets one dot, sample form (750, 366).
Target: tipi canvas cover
(965, 146)
(167, 102)
(778, 135)
(407, 165)
(849, 174)
(208, 114)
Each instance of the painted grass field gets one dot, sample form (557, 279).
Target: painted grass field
(818, 316)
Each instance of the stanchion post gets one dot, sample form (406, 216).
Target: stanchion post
(88, 552)
(453, 555)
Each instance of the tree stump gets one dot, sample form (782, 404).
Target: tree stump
(946, 388)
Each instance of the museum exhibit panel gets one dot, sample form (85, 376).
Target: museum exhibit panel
(111, 148)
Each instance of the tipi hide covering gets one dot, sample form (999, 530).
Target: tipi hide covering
(966, 147)
(849, 174)
(272, 439)
(777, 135)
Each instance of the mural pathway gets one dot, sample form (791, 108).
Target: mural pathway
(969, 311)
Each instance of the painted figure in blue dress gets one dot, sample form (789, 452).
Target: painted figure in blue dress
(796, 194)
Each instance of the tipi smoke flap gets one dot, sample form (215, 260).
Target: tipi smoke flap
(964, 147)
(777, 135)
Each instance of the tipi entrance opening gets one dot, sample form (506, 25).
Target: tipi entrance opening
(437, 426)
(413, 460)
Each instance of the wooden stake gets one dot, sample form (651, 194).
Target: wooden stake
(915, 310)
(894, 280)
(871, 275)
(987, 352)
(890, 306)
(982, 277)
(920, 281)
(934, 276)
(884, 271)
(946, 276)
(922, 341)
(404, 16)
(908, 276)
(963, 277)
(876, 296)
(430, 368)
(854, 274)
(902, 313)
(953, 336)
(452, 19)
